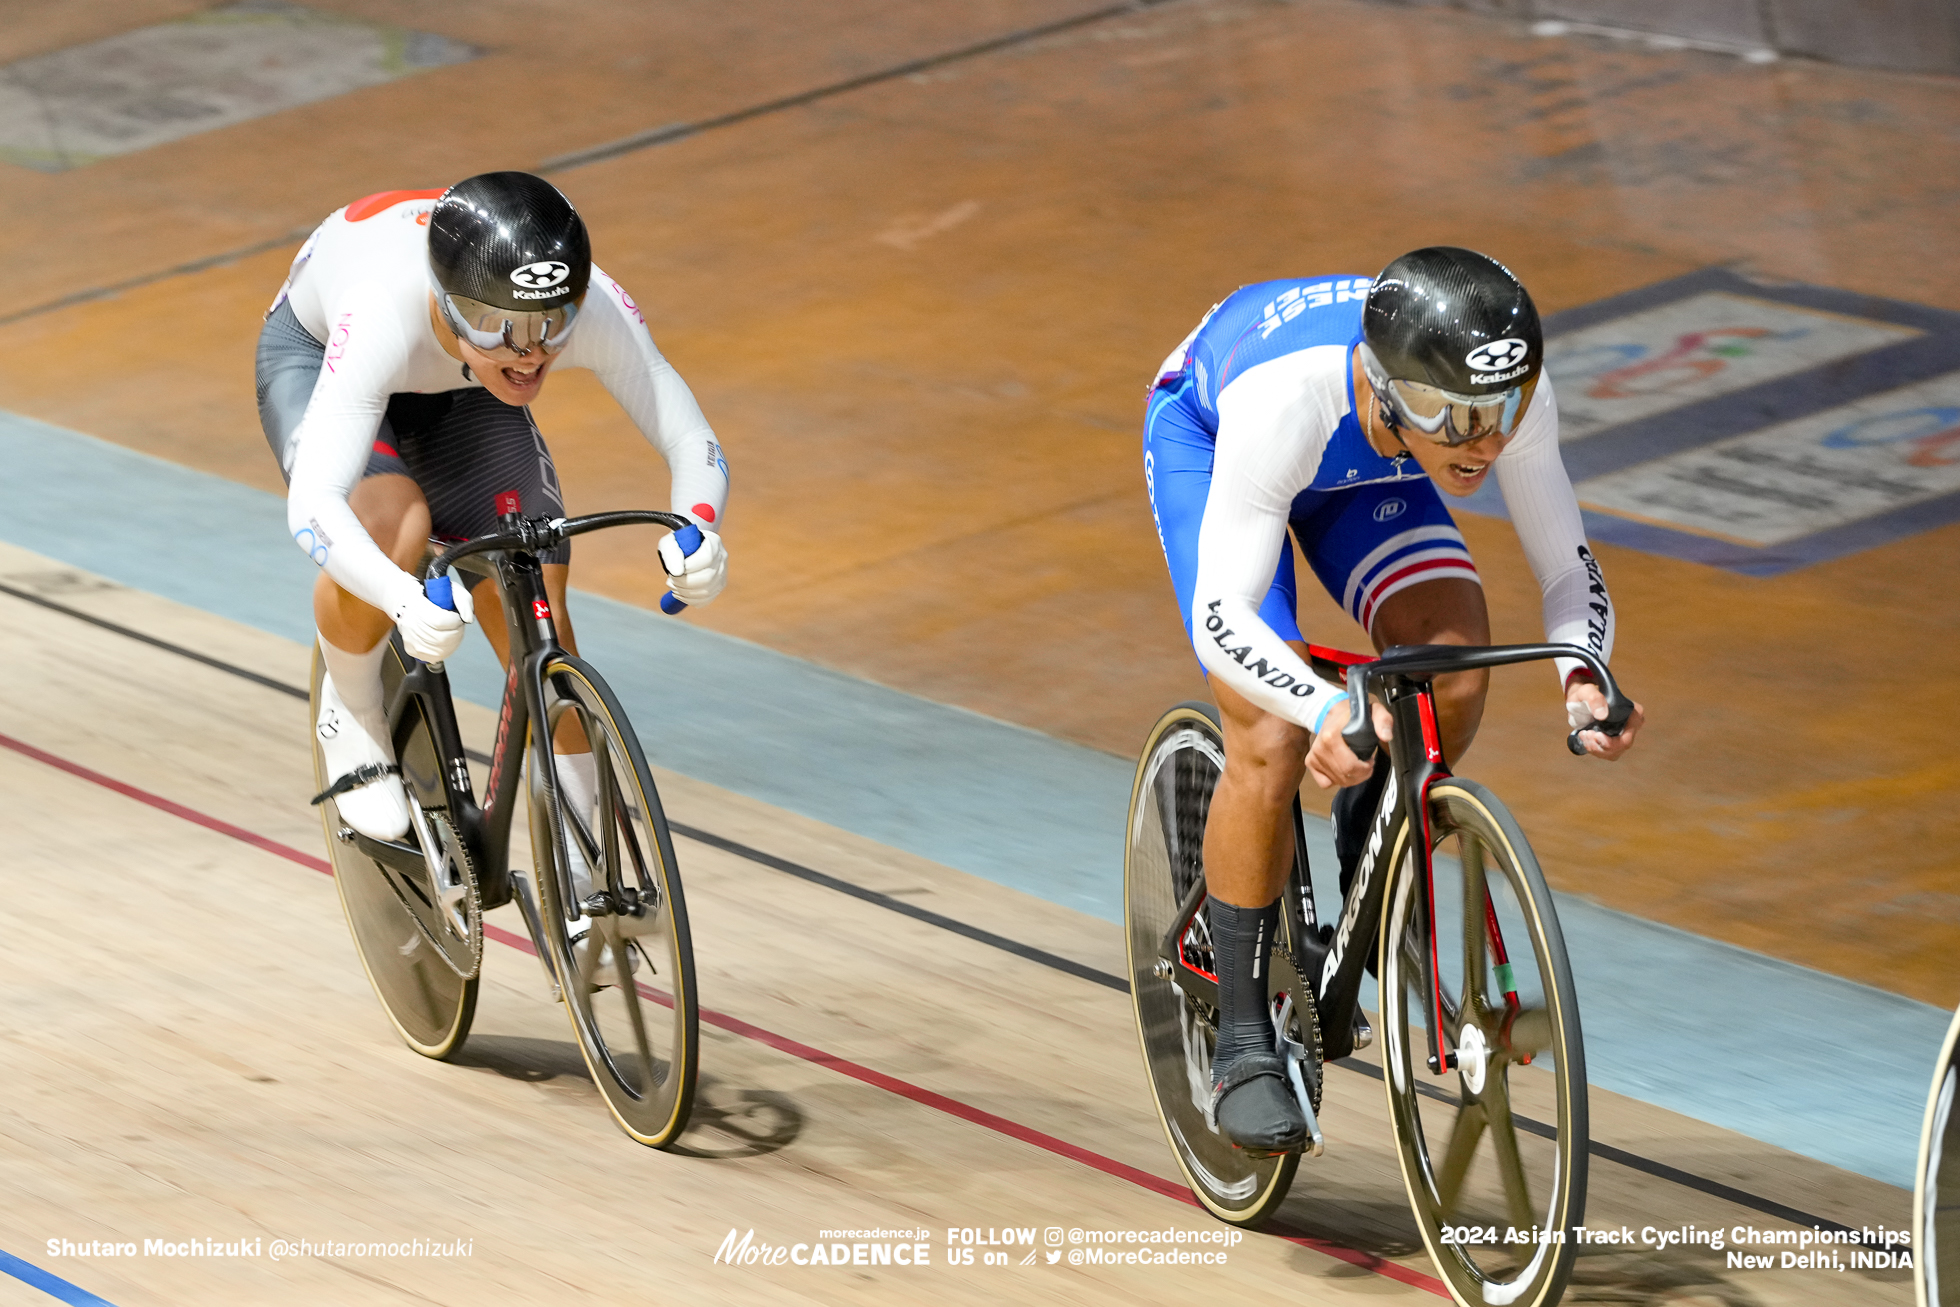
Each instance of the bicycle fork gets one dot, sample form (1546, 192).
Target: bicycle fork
(1416, 726)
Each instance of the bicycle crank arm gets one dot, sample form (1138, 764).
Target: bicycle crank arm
(435, 859)
(1295, 1054)
(392, 854)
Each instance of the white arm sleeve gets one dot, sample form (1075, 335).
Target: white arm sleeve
(612, 340)
(1272, 429)
(1543, 507)
(364, 356)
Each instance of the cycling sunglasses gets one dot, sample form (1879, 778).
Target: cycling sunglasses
(1450, 419)
(1444, 417)
(507, 332)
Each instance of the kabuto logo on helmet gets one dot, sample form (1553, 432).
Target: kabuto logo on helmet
(550, 272)
(1497, 355)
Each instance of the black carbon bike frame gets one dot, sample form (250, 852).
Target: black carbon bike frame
(1401, 677)
(434, 765)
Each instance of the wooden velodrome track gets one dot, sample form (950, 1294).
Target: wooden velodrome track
(920, 314)
(191, 1052)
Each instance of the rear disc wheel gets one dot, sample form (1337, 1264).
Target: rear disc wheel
(1163, 861)
(421, 988)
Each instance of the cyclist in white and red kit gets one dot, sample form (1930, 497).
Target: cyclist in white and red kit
(395, 373)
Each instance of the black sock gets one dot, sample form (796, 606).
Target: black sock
(1241, 948)
(1354, 809)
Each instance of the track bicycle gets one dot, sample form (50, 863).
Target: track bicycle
(415, 906)
(1936, 1187)
(1479, 1021)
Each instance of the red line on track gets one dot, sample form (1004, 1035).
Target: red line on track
(162, 804)
(781, 1043)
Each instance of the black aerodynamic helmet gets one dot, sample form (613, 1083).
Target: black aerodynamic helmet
(511, 261)
(1451, 343)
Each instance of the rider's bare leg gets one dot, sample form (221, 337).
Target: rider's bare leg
(1436, 612)
(1249, 833)
(1450, 611)
(1248, 850)
(1249, 836)
(351, 726)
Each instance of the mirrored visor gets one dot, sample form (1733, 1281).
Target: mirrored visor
(505, 331)
(1451, 419)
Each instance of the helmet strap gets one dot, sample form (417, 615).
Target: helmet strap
(1377, 385)
(1385, 411)
(1395, 429)
(1385, 418)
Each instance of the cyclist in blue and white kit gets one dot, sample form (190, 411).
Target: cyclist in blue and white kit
(1336, 407)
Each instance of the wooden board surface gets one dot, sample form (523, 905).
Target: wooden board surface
(189, 1050)
(921, 315)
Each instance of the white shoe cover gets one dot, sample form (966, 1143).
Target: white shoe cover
(378, 809)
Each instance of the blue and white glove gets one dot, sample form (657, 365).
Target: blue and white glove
(430, 632)
(698, 577)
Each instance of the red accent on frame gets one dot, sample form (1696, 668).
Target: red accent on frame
(363, 209)
(509, 501)
(1511, 1004)
(1432, 745)
(706, 512)
(1429, 885)
(1340, 656)
(383, 447)
(503, 735)
(540, 609)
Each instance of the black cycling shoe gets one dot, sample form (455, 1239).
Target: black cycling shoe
(1254, 1106)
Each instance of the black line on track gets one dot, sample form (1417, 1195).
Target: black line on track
(1080, 970)
(680, 131)
(155, 643)
(149, 278)
(894, 904)
(1645, 1165)
(637, 141)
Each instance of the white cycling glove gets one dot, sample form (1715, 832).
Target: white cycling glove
(430, 633)
(697, 577)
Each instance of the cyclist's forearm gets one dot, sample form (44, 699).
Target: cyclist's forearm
(1545, 511)
(1244, 653)
(327, 531)
(1237, 550)
(1578, 610)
